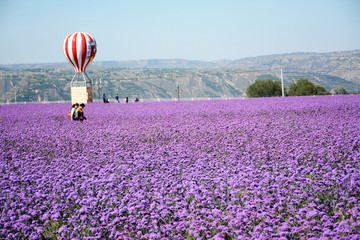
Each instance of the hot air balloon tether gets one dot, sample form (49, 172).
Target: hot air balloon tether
(80, 49)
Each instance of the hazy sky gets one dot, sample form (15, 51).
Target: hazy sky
(33, 31)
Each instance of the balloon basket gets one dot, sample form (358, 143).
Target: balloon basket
(81, 89)
(81, 95)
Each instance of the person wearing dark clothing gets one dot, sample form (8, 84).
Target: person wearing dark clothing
(80, 112)
(117, 98)
(126, 100)
(105, 100)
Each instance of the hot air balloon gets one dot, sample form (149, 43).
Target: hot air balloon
(80, 49)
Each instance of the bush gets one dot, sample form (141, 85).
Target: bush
(341, 91)
(265, 88)
(303, 87)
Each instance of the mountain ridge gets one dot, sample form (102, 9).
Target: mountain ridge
(158, 78)
(174, 62)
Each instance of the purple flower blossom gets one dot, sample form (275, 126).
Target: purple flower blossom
(235, 169)
(311, 214)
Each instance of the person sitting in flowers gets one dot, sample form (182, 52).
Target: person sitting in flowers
(80, 112)
(74, 113)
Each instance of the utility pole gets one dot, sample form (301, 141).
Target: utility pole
(282, 84)
(178, 92)
(99, 87)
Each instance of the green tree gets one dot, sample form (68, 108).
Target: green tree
(303, 87)
(341, 91)
(265, 88)
(321, 90)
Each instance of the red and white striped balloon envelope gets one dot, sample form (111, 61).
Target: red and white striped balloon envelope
(79, 49)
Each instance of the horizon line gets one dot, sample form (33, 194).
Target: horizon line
(209, 61)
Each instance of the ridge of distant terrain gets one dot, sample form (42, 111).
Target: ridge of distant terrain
(158, 78)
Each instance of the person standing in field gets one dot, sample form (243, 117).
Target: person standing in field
(105, 100)
(126, 100)
(117, 98)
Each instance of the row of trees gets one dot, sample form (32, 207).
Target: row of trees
(302, 87)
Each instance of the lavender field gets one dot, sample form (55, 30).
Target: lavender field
(281, 168)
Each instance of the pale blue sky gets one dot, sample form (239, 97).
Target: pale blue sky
(33, 31)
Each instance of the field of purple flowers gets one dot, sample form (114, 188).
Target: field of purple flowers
(285, 168)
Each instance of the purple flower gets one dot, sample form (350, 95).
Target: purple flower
(235, 169)
(25, 217)
(62, 229)
(311, 214)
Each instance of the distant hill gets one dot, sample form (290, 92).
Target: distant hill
(158, 78)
